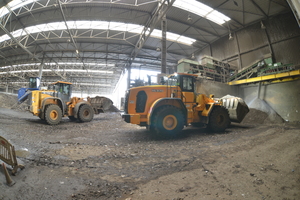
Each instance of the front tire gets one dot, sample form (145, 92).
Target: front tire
(86, 113)
(53, 114)
(168, 121)
(218, 119)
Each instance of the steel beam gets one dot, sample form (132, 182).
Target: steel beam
(149, 27)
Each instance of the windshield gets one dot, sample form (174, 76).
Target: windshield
(173, 81)
(60, 87)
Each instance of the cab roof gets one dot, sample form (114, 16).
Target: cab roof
(61, 82)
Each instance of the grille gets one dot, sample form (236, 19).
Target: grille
(141, 100)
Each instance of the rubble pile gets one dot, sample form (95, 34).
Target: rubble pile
(8, 100)
(113, 109)
(261, 113)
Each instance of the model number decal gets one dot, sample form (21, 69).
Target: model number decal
(131, 101)
(155, 90)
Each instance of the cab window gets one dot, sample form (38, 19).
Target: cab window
(187, 84)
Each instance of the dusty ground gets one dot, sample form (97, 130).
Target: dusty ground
(110, 159)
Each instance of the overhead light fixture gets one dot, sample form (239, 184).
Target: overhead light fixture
(262, 26)
(189, 19)
(193, 56)
(158, 49)
(230, 37)
(77, 51)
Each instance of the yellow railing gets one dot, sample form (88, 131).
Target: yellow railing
(285, 76)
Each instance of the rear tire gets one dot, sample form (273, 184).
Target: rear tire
(218, 119)
(86, 113)
(168, 121)
(53, 114)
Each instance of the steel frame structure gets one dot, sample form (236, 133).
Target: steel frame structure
(114, 50)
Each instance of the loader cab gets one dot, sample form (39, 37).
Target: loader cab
(186, 82)
(63, 90)
(34, 83)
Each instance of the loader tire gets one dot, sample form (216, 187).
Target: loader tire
(168, 121)
(86, 113)
(53, 114)
(218, 119)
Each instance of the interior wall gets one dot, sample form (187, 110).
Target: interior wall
(283, 98)
(280, 39)
(253, 43)
(218, 89)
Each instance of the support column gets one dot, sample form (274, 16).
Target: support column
(164, 44)
(129, 76)
(270, 46)
(41, 68)
(6, 90)
(258, 90)
(239, 51)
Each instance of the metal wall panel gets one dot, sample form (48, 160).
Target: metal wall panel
(253, 56)
(281, 37)
(287, 51)
(224, 48)
(251, 38)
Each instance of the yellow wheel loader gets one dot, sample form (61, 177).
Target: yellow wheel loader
(166, 109)
(56, 102)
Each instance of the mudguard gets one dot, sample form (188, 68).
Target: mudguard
(61, 103)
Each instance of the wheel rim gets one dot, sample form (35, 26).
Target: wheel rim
(169, 122)
(86, 113)
(53, 114)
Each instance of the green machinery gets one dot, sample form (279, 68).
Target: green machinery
(210, 68)
(262, 68)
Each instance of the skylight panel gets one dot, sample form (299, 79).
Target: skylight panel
(202, 10)
(15, 4)
(185, 40)
(19, 3)
(4, 38)
(133, 28)
(156, 33)
(174, 37)
(3, 11)
(102, 25)
(193, 6)
(217, 17)
(117, 26)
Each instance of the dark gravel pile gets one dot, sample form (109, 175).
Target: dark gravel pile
(259, 117)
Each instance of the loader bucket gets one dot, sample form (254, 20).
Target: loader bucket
(100, 104)
(236, 107)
